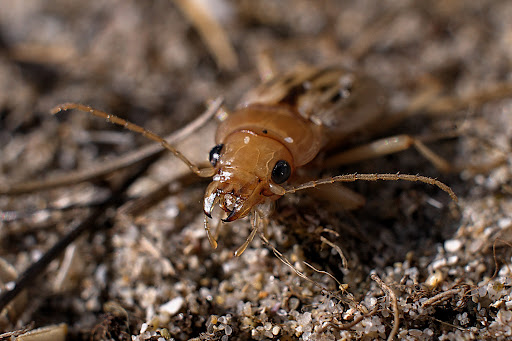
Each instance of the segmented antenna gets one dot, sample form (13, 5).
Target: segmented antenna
(205, 172)
(374, 177)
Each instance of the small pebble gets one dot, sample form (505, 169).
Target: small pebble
(452, 245)
(173, 306)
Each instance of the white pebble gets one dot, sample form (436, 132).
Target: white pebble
(437, 264)
(504, 223)
(452, 260)
(415, 332)
(173, 306)
(452, 245)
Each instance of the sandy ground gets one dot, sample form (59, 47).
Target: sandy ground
(419, 266)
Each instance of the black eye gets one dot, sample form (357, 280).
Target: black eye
(281, 172)
(215, 154)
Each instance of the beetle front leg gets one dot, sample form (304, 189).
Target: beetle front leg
(340, 195)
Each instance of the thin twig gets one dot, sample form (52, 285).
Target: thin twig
(344, 261)
(325, 273)
(349, 325)
(299, 273)
(211, 32)
(15, 333)
(394, 305)
(443, 296)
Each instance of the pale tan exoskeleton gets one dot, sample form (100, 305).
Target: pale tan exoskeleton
(283, 125)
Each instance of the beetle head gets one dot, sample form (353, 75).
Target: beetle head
(249, 169)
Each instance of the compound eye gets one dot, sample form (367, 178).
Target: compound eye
(281, 172)
(215, 154)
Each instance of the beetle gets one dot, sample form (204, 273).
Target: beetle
(283, 125)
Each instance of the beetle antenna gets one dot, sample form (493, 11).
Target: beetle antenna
(205, 172)
(375, 177)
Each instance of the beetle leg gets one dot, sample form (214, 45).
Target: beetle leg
(265, 65)
(211, 239)
(340, 195)
(389, 145)
(255, 222)
(218, 225)
(447, 104)
(394, 144)
(264, 213)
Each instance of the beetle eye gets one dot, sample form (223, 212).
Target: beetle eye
(215, 154)
(281, 172)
